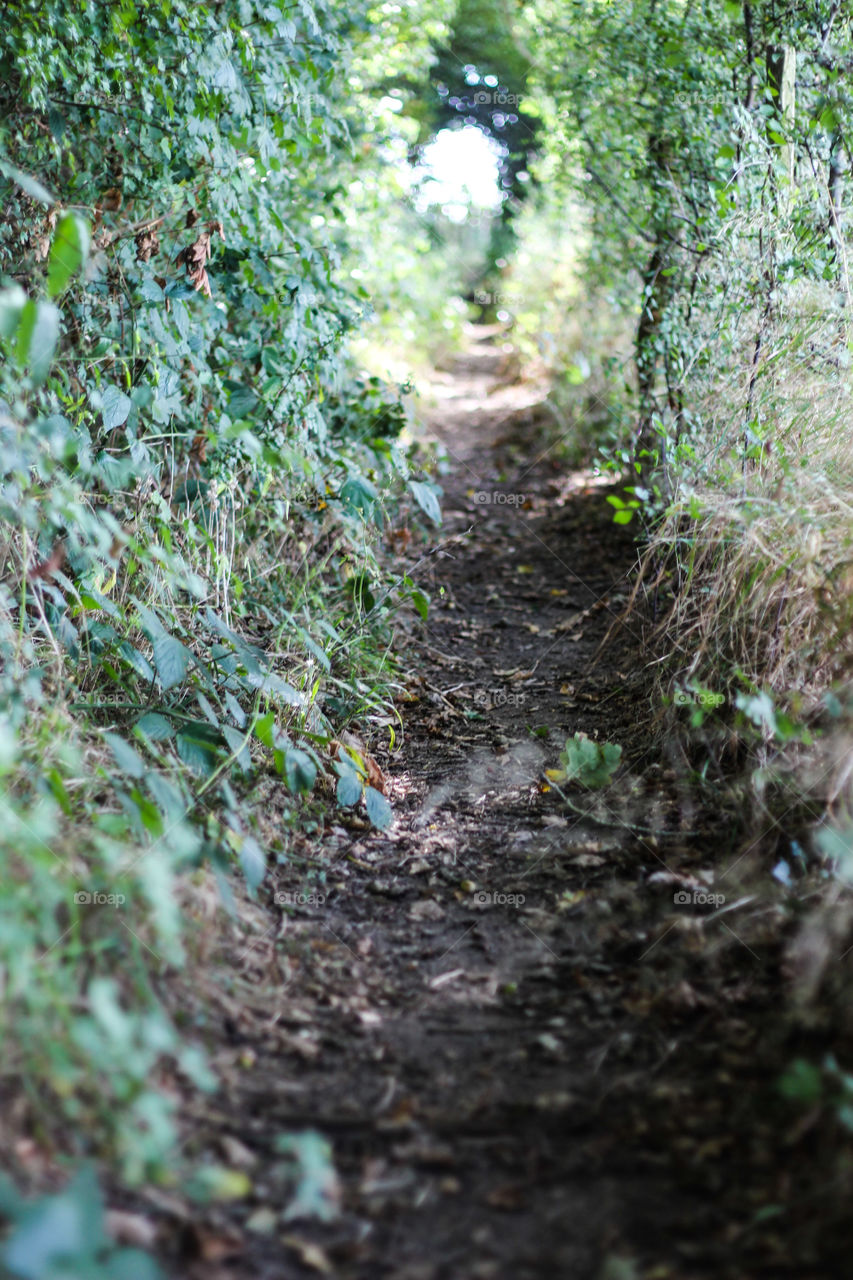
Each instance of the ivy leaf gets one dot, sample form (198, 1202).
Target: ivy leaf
(67, 253)
(378, 809)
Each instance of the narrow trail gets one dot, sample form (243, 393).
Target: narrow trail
(523, 1062)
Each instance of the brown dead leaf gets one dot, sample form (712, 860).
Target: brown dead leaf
(215, 1246)
(44, 238)
(111, 200)
(350, 745)
(196, 255)
(147, 244)
(509, 1198)
(402, 1117)
(398, 539)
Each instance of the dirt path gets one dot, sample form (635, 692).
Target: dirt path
(524, 1062)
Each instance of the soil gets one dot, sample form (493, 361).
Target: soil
(530, 1057)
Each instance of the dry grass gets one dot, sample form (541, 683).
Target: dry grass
(757, 546)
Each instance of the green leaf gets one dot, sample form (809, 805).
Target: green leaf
(196, 749)
(136, 660)
(155, 726)
(234, 709)
(313, 1175)
(590, 763)
(67, 253)
(315, 650)
(128, 760)
(378, 809)
(151, 291)
(56, 123)
(55, 1229)
(802, 1082)
(12, 302)
(115, 407)
(242, 400)
(426, 497)
(38, 333)
(421, 602)
(348, 789)
(300, 771)
(172, 660)
(253, 861)
(31, 185)
(271, 683)
(264, 729)
(359, 495)
(238, 746)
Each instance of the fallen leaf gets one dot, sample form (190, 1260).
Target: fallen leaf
(130, 1228)
(263, 1221)
(309, 1254)
(426, 909)
(510, 1198)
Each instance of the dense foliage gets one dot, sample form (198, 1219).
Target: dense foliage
(696, 157)
(195, 477)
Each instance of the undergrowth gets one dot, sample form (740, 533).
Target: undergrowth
(203, 500)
